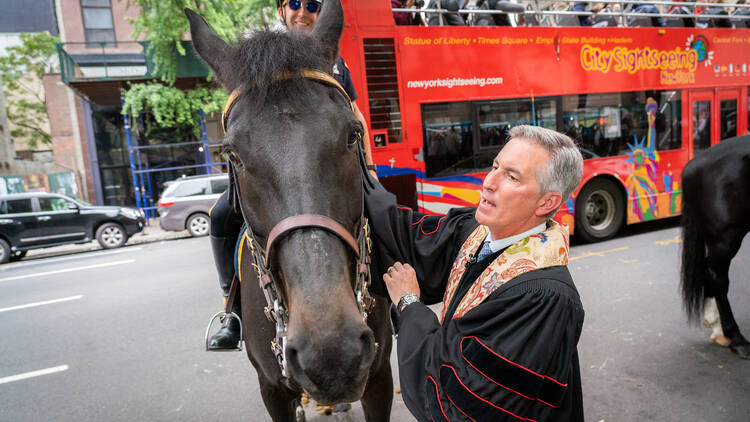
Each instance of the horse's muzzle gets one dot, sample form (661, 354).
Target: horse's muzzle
(335, 368)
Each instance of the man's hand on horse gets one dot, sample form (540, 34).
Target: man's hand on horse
(401, 279)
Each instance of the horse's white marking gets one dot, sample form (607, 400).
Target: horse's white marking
(33, 374)
(712, 320)
(35, 304)
(67, 270)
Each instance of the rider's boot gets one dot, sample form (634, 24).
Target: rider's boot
(229, 335)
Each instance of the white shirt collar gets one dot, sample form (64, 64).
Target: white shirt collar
(503, 243)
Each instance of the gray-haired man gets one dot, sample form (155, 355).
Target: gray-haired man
(505, 347)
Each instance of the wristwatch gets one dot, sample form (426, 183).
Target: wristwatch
(407, 300)
(372, 167)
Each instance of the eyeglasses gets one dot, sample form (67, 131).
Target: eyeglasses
(311, 6)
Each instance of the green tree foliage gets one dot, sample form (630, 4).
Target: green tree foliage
(163, 24)
(172, 107)
(22, 68)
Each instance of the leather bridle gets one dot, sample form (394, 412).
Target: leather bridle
(276, 310)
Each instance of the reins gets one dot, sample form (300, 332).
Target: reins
(276, 309)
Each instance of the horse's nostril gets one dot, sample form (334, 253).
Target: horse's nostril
(367, 340)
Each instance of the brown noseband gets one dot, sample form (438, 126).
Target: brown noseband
(290, 224)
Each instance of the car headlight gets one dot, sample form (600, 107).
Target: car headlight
(129, 212)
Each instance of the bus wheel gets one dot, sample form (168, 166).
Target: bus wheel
(600, 210)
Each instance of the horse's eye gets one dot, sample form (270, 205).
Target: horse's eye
(355, 136)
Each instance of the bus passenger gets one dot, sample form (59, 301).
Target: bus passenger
(451, 17)
(403, 18)
(586, 20)
(226, 223)
(505, 347)
(656, 21)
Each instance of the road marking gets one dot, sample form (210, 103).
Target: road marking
(67, 258)
(46, 302)
(67, 270)
(676, 239)
(33, 374)
(628, 261)
(589, 254)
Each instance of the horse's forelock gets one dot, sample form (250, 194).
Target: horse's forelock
(258, 60)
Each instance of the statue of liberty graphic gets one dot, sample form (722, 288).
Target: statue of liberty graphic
(641, 183)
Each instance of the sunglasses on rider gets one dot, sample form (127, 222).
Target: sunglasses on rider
(311, 6)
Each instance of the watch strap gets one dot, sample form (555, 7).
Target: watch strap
(407, 300)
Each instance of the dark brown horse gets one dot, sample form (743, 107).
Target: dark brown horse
(715, 219)
(292, 143)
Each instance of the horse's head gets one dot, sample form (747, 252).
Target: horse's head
(292, 145)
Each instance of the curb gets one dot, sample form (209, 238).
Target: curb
(150, 234)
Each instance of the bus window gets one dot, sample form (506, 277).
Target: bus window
(448, 138)
(604, 124)
(701, 125)
(668, 122)
(496, 118)
(748, 111)
(728, 118)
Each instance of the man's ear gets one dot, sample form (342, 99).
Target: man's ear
(212, 49)
(548, 203)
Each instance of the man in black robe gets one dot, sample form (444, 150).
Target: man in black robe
(505, 347)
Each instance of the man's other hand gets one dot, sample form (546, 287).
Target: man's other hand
(400, 280)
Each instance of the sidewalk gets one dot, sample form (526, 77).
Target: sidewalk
(151, 233)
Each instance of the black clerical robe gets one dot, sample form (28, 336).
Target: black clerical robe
(511, 358)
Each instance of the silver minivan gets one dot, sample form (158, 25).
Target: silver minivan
(186, 202)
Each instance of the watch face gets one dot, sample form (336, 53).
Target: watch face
(407, 299)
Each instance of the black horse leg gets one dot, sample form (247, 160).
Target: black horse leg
(281, 402)
(719, 258)
(378, 396)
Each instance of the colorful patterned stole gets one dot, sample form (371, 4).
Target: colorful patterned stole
(546, 249)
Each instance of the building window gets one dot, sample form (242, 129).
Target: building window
(97, 20)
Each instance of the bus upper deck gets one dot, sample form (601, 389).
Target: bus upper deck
(639, 101)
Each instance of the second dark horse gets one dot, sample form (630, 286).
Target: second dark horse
(715, 219)
(292, 143)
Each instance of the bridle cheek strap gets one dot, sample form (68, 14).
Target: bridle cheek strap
(313, 74)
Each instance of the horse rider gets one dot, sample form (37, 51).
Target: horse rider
(505, 347)
(226, 223)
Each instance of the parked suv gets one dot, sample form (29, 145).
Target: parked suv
(186, 202)
(41, 220)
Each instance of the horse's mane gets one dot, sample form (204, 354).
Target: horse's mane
(258, 59)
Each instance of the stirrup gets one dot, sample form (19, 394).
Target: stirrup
(221, 316)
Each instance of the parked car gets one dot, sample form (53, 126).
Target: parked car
(42, 220)
(186, 203)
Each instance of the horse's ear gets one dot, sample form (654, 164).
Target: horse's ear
(212, 49)
(328, 28)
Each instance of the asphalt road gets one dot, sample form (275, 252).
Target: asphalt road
(122, 338)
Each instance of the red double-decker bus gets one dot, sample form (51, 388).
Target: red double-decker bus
(640, 102)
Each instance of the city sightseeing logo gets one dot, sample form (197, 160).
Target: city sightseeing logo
(676, 66)
(700, 45)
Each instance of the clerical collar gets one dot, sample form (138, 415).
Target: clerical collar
(503, 243)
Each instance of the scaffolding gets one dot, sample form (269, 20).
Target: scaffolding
(141, 171)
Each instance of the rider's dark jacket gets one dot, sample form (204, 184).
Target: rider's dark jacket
(513, 357)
